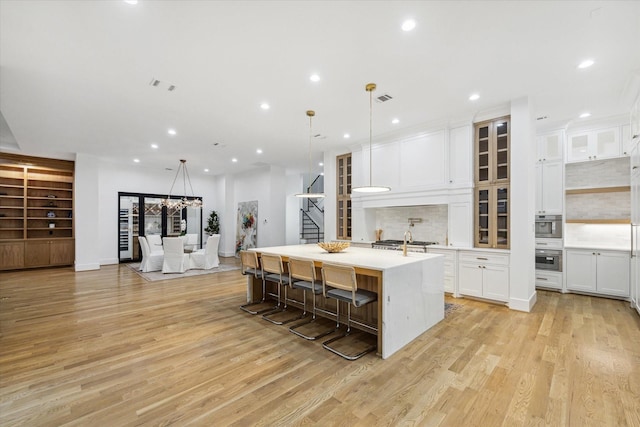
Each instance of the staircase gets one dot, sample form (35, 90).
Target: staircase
(312, 214)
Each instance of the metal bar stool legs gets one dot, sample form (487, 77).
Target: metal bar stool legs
(273, 271)
(302, 274)
(251, 266)
(339, 282)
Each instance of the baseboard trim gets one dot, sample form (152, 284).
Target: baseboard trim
(523, 304)
(87, 267)
(109, 261)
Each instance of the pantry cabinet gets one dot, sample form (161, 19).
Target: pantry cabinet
(492, 176)
(484, 275)
(549, 187)
(550, 147)
(598, 271)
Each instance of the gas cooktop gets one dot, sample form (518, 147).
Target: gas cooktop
(401, 242)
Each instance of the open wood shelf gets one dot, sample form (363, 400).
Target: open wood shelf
(26, 239)
(599, 221)
(598, 190)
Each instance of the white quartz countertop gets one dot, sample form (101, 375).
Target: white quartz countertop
(374, 259)
(599, 246)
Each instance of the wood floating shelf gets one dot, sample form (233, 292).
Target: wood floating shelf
(599, 190)
(599, 221)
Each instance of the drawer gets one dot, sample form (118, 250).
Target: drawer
(483, 258)
(548, 243)
(449, 256)
(548, 279)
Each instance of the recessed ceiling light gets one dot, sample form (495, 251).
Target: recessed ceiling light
(154, 145)
(347, 136)
(395, 121)
(408, 25)
(234, 160)
(259, 151)
(265, 106)
(206, 170)
(321, 173)
(586, 63)
(131, 1)
(136, 160)
(314, 78)
(474, 97)
(171, 132)
(585, 115)
(320, 164)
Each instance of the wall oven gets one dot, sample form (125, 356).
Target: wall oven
(549, 226)
(548, 259)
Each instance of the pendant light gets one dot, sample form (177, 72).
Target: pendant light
(370, 188)
(308, 194)
(182, 202)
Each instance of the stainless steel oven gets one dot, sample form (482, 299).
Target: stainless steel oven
(549, 226)
(549, 259)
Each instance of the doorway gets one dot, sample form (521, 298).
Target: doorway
(142, 214)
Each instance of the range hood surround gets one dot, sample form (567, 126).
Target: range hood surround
(394, 221)
(365, 212)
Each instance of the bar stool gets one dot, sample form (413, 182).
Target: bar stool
(345, 288)
(302, 275)
(273, 271)
(251, 265)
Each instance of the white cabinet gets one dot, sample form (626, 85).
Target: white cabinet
(449, 268)
(635, 184)
(484, 275)
(549, 187)
(598, 271)
(593, 145)
(460, 152)
(422, 161)
(627, 141)
(549, 279)
(550, 146)
(460, 231)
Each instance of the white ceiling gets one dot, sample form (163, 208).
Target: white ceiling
(74, 76)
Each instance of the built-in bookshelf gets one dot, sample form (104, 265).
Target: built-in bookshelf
(36, 212)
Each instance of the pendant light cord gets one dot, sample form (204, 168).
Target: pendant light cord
(370, 136)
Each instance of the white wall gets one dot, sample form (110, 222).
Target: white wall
(294, 185)
(268, 186)
(522, 292)
(114, 178)
(88, 213)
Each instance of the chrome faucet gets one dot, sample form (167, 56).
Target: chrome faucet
(404, 246)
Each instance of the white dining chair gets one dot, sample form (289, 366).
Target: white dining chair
(175, 260)
(190, 242)
(151, 261)
(155, 242)
(206, 258)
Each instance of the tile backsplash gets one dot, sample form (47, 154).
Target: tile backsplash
(598, 173)
(394, 221)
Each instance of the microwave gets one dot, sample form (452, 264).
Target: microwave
(549, 226)
(548, 259)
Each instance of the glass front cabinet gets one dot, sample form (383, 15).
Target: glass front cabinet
(492, 174)
(343, 196)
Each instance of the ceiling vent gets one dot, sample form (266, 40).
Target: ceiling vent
(384, 98)
(162, 85)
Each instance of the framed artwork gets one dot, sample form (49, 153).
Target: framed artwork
(247, 226)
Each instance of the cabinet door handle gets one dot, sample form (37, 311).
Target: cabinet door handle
(482, 259)
(598, 253)
(541, 244)
(593, 253)
(541, 278)
(634, 168)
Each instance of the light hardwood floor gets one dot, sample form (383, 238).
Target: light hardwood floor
(106, 348)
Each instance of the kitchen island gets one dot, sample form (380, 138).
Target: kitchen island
(410, 289)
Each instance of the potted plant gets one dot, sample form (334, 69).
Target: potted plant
(213, 224)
